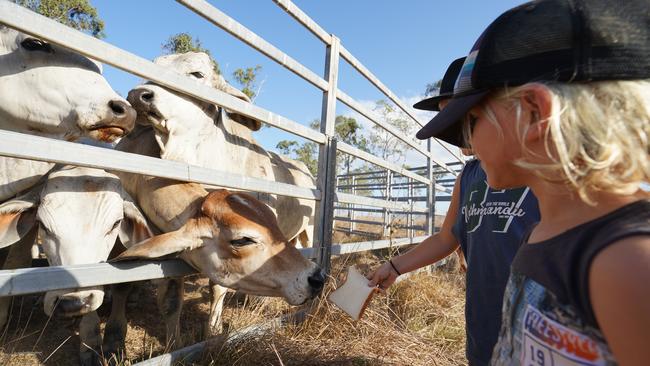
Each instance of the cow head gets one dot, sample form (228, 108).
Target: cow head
(235, 241)
(172, 113)
(80, 213)
(51, 91)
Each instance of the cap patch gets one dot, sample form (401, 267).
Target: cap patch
(464, 81)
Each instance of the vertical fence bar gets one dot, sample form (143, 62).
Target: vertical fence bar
(431, 199)
(327, 205)
(326, 177)
(352, 180)
(388, 186)
(409, 218)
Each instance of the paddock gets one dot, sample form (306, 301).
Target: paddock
(339, 197)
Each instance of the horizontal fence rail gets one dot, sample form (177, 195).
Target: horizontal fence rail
(39, 26)
(45, 149)
(320, 33)
(305, 20)
(218, 18)
(360, 200)
(17, 17)
(34, 280)
(242, 33)
(349, 149)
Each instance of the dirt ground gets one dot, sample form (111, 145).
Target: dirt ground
(419, 322)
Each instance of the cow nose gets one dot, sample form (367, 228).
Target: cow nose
(120, 108)
(316, 281)
(140, 96)
(71, 306)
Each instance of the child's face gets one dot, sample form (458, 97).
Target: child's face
(496, 143)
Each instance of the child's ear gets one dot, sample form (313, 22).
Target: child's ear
(536, 103)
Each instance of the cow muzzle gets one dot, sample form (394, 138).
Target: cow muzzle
(142, 99)
(119, 120)
(72, 304)
(316, 282)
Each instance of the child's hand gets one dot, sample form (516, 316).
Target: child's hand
(383, 277)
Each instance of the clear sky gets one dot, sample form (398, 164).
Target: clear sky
(406, 44)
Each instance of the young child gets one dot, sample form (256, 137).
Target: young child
(489, 226)
(555, 95)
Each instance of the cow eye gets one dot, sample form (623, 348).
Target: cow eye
(47, 230)
(34, 44)
(116, 225)
(197, 74)
(242, 242)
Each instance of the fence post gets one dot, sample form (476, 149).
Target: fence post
(327, 169)
(327, 206)
(388, 189)
(409, 218)
(351, 206)
(431, 193)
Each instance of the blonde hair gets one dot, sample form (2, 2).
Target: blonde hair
(598, 135)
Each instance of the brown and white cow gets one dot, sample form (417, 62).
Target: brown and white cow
(230, 237)
(199, 133)
(194, 132)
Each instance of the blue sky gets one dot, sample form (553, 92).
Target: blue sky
(406, 44)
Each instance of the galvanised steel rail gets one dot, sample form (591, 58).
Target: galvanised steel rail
(321, 34)
(57, 151)
(26, 281)
(218, 18)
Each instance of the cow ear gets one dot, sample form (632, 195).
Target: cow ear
(220, 83)
(162, 246)
(225, 116)
(253, 124)
(18, 217)
(134, 227)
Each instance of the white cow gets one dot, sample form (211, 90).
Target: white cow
(199, 133)
(79, 213)
(50, 91)
(191, 131)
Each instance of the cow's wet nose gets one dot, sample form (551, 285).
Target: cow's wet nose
(121, 115)
(141, 97)
(316, 281)
(119, 108)
(71, 306)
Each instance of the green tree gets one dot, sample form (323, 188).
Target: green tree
(432, 88)
(383, 143)
(184, 42)
(348, 130)
(78, 14)
(305, 152)
(247, 79)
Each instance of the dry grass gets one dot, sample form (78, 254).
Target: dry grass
(396, 231)
(419, 322)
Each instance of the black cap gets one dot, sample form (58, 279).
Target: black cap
(446, 87)
(551, 40)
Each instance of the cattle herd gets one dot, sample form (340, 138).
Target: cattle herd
(78, 215)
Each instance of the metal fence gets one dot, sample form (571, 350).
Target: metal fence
(33, 280)
(388, 185)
